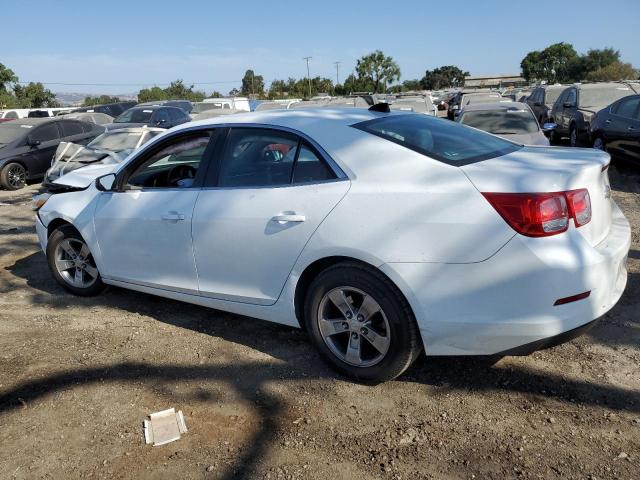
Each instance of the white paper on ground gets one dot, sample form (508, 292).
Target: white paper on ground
(164, 427)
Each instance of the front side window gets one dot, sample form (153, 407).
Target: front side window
(175, 165)
(257, 157)
(161, 116)
(45, 133)
(571, 97)
(442, 140)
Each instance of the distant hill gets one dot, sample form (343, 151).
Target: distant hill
(75, 99)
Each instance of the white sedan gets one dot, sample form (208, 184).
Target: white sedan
(381, 233)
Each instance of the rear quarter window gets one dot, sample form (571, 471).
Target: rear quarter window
(443, 140)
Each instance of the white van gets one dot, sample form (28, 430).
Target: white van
(233, 103)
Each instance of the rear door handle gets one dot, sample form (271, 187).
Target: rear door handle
(173, 217)
(630, 128)
(607, 122)
(289, 218)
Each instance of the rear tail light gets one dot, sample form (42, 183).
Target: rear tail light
(542, 214)
(580, 206)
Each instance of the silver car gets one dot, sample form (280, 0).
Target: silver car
(513, 120)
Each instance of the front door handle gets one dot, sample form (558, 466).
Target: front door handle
(289, 218)
(173, 217)
(630, 128)
(607, 122)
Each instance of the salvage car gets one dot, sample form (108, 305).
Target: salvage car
(151, 116)
(382, 233)
(576, 105)
(616, 129)
(541, 100)
(111, 109)
(93, 117)
(109, 148)
(414, 103)
(27, 146)
(513, 121)
(185, 105)
(474, 96)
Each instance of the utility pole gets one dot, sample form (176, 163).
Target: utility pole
(308, 75)
(337, 64)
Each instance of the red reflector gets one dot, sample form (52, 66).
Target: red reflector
(573, 298)
(580, 206)
(532, 214)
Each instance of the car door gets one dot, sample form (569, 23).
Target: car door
(42, 142)
(143, 227)
(623, 132)
(270, 192)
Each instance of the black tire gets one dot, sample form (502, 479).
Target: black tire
(573, 137)
(59, 235)
(405, 341)
(13, 176)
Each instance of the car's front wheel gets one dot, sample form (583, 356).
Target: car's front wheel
(361, 322)
(598, 143)
(13, 176)
(72, 263)
(573, 137)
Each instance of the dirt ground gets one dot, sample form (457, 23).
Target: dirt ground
(78, 376)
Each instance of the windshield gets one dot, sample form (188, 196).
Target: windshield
(501, 122)
(603, 96)
(10, 132)
(443, 140)
(116, 141)
(135, 115)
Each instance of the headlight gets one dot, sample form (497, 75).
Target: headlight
(38, 201)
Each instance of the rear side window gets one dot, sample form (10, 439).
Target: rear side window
(70, 128)
(443, 140)
(310, 168)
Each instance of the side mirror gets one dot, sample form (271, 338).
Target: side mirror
(161, 122)
(105, 183)
(568, 105)
(33, 143)
(547, 128)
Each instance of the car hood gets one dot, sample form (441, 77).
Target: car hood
(83, 177)
(535, 138)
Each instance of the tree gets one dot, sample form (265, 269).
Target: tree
(378, 70)
(443, 77)
(252, 84)
(556, 63)
(100, 100)
(6, 77)
(596, 59)
(234, 92)
(293, 88)
(176, 90)
(614, 71)
(34, 95)
(215, 94)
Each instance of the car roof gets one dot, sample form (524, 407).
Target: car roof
(302, 120)
(599, 85)
(503, 106)
(136, 130)
(34, 120)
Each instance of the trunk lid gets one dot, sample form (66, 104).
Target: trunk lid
(552, 169)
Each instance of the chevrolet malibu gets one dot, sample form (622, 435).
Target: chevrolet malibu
(381, 233)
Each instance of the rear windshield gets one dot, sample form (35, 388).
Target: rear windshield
(501, 122)
(443, 140)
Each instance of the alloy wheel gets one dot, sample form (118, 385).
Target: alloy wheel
(75, 264)
(16, 176)
(354, 326)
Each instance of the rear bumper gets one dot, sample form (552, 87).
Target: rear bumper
(505, 305)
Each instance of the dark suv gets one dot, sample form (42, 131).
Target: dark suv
(542, 99)
(575, 107)
(151, 116)
(27, 146)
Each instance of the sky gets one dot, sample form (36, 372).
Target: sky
(120, 46)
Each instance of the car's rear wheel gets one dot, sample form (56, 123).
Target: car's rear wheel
(13, 176)
(361, 322)
(72, 263)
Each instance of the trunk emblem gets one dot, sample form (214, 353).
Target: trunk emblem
(607, 192)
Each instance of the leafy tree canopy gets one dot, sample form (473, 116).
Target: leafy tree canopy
(614, 71)
(443, 77)
(99, 100)
(252, 84)
(378, 70)
(176, 90)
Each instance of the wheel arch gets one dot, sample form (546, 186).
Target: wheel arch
(57, 223)
(316, 267)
